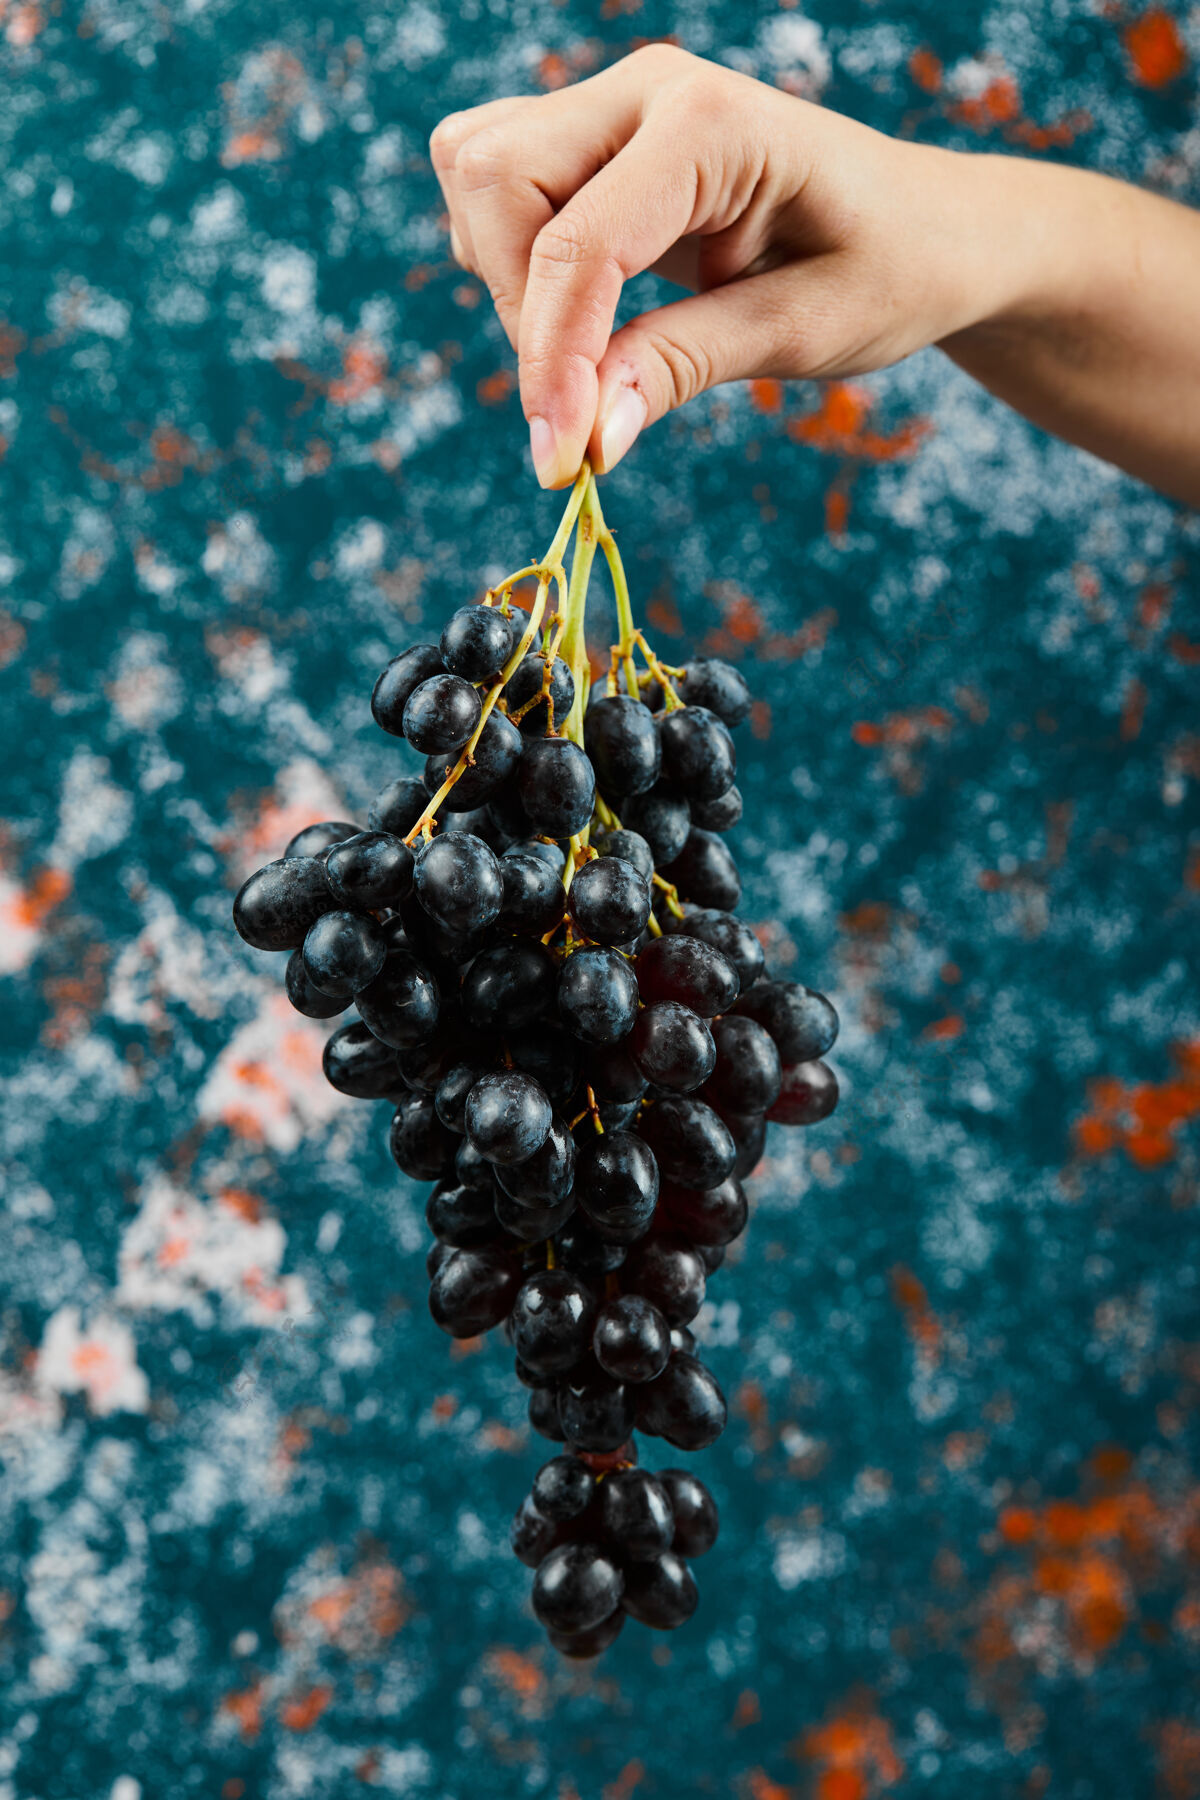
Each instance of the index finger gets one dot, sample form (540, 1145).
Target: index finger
(621, 222)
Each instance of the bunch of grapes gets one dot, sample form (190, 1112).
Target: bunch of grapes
(578, 1040)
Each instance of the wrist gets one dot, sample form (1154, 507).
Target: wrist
(1027, 237)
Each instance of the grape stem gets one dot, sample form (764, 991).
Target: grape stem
(627, 632)
(574, 642)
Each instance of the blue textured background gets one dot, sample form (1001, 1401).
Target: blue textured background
(258, 433)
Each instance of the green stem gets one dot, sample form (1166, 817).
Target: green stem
(574, 643)
(554, 554)
(625, 625)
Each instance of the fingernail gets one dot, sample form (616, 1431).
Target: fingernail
(544, 447)
(620, 423)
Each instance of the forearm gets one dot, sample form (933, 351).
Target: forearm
(1094, 332)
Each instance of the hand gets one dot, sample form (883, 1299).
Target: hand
(814, 245)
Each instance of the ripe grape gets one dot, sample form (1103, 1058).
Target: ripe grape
(748, 1074)
(580, 1646)
(631, 1340)
(441, 714)
(533, 899)
(552, 1319)
(705, 872)
(598, 995)
(457, 881)
(274, 909)
(721, 814)
(661, 1593)
(597, 1413)
(630, 846)
(684, 1404)
(673, 1047)
(808, 1095)
(695, 1512)
(370, 870)
(509, 986)
(531, 1224)
(532, 1535)
(620, 738)
(668, 1272)
(356, 1063)
(576, 1588)
(546, 1178)
(543, 1414)
(736, 942)
(477, 642)
(616, 1184)
(717, 685)
(473, 1290)
(749, 1133)
(418, 1141)
(557, 787)
(530, 679)
(401, 1006)
(397, 807)
(551, 1055)
(803, 1023)
(579, 1246)
(708, 1216)
(691, 1144)
(609, 901)
(508, 1116)
(308, 999)
(563, 1488)
(450, 1096)
(464, 1217)
(635, 1515)
(316, 838)
(688, 970)
(493, 760)
(401, 677)
(612, 1073)
(662, 818)
(343, 952)
(698, 758)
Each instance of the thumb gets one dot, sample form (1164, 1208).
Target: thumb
(787, 322)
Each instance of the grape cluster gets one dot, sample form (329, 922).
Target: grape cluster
(578, 1040)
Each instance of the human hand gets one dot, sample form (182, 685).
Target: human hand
(815, 245)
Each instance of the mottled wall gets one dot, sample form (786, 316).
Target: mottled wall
(257, 433)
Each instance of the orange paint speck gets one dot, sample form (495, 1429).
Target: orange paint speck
(302, 1714)
(48, 889)
(519, 1674)
(766, 396)
(364, 367)
(1133, 709)
(630, 1778)
(1154, 603)
(763, 1788)
(552, 71)
(493, 390)
(837, 511)
(840, 1784)
(747, 1711)
(1018, 1524)
(245, 1707)
(1156, 48)
(1183, 650)
(926, 70)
